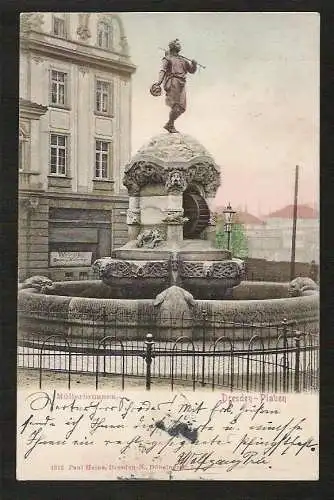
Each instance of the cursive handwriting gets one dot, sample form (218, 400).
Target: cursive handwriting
(161, 435)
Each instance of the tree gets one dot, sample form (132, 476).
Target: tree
(238, 241)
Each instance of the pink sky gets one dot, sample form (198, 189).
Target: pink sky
(256, 105)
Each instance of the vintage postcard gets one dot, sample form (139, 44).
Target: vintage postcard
(168, 291)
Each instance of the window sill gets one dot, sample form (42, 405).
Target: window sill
(103, 185)
(60, 106)
(103, 115)
(61, 37)
(97, 179)
(58, 176)
(59, 182)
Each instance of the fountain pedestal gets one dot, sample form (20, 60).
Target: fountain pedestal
(172, 182)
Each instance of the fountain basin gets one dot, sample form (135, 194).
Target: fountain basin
(72, 310)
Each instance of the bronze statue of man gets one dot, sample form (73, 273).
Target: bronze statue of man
(173, 77)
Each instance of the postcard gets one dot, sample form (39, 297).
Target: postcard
(168, 274)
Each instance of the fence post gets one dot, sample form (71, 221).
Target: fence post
(148, 356)
(285, 354)
(205, 317)
(297, 365)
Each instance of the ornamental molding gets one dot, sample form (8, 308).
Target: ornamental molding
(76, 53)
(109, 269)
(83, 31)
(143, 172)
(175, 217)
(32, 21)
(176, 182)
(149, 238)
(211, 270)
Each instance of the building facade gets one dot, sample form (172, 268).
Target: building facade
(75, 140)
(270, 238)
(280, 223)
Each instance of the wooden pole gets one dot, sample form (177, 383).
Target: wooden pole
(294, 227)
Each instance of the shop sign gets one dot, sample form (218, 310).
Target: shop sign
(70, 259)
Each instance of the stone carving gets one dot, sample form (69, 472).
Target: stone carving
(31, 21)
(133, 216)
(175, 217)
(100, 264)
(211, 269)
(191, 269)
(176, 182)
(301, 286)
(174, 259)
(173, 148)
(83, 30)
(37, 59)
(149, 238)
(175, 302)
(143, 173)
(242, 266)
(205, 174)
(174, 160)
(110, 269)
(83, 70)
(41, 284)
(226, 270)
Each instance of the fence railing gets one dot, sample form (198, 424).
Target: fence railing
(235, 356)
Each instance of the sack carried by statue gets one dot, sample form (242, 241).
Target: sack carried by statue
(155, 90)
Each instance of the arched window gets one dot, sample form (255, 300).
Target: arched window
(104, 34)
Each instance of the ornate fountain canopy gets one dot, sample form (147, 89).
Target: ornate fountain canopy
(176, 160)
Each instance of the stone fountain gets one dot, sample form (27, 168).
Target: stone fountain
(169, 272)
(171, 182)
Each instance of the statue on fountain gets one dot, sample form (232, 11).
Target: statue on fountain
(173, 76)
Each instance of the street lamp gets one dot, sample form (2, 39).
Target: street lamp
(228, 214)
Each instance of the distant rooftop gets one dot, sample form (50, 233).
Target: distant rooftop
(242, 217)
(303, 212)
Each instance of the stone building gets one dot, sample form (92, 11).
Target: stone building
(280, 223)
(75, 123)
(270, 237)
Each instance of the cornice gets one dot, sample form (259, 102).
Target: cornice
(78, 196)
(31, 114)
(76, 53)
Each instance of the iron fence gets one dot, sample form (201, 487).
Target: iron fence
(198, 352)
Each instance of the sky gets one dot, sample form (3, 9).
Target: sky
(255, 107)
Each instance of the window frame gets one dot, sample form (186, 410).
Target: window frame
(23, 150)
(63, 19)
(65, 72)
(67, 154)
(108, 30)
(100, 166)
(102, 80)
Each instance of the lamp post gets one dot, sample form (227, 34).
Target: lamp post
(228, 214)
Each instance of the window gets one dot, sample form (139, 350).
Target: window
(104, 34)
(83, 275)
(103, 96)
(58, 87)
(21, 151)
(58, 154)
(101, 159)
(58, 27)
